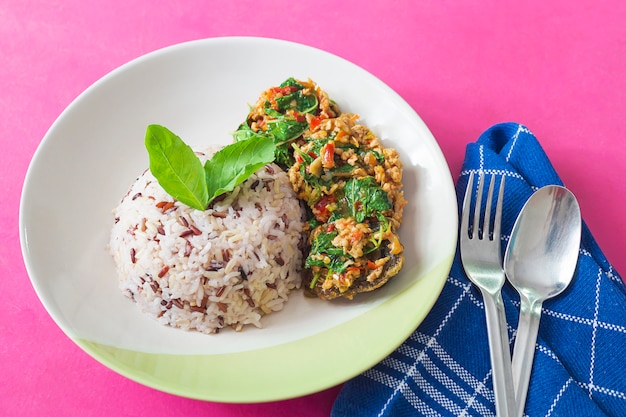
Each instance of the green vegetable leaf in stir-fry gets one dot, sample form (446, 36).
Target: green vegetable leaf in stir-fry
(366, 199)
(350, 184)
(294, 98)
(285, 128)
(285, 119)
(324, 254)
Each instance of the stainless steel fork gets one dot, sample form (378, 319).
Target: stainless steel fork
(482, 261)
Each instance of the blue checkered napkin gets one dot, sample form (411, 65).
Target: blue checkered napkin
(443, 369)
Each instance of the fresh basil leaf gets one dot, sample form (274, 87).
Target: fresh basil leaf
(234, 163)
(283, 150)
(176, 167)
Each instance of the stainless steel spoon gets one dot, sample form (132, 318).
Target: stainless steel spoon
(539, 262)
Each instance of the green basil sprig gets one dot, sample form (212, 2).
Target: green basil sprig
(181, 173)
(234, 164)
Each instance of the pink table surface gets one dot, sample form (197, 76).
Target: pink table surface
(557, 66)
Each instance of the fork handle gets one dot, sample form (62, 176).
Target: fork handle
(500, 355)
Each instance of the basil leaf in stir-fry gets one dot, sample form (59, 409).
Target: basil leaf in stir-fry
(365, 198)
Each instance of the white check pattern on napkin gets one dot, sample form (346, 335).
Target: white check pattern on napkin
(443, 368)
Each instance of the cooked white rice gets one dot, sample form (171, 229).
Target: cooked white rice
(206, 270)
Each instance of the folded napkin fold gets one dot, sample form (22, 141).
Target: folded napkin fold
(443, 368)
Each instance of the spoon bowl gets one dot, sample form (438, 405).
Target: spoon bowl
(543, 249)
(539, 262)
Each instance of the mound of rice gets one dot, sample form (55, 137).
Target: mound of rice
(206, 270)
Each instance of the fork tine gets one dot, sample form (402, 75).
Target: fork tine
(482, 262)
(477, 205)
(487, 221)
(467, 200)
(497, 221)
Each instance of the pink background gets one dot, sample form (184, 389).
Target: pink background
(559, 67)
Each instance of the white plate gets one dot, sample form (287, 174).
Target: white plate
(201, 90)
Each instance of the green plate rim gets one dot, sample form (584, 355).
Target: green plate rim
(254, 376)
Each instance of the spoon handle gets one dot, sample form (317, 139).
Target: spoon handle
(500, 355)
(524, 350)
